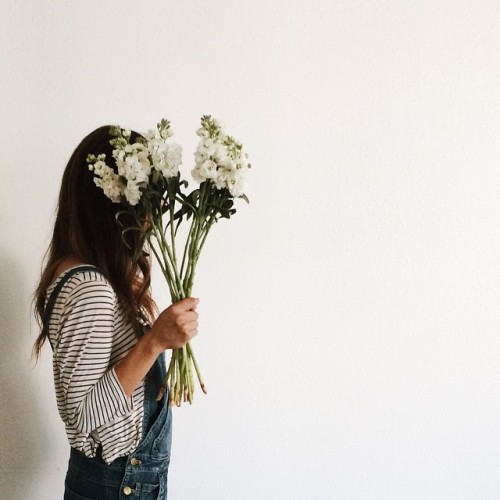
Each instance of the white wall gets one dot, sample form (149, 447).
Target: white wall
(350, 321)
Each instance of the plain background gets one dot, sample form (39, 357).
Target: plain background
(350, 314)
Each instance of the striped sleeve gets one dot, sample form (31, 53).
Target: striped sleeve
(88, 389)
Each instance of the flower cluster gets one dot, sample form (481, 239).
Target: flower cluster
(219, 159)
(105, 178)
(165, 157)
(135, 163)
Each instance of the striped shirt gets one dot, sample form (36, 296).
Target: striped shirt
(90, 333)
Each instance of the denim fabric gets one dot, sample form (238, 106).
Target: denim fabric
(143, 474)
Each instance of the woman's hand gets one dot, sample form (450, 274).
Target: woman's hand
(176, 325)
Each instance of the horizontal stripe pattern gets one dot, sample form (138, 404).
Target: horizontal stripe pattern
(90, 334)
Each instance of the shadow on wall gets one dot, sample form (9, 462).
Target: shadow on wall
(23, 427)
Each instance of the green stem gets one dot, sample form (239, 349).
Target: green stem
(191, 255)
(197, 369)
(165, 271)
(180, 377)
(168, 378)
(206, 229)
(197, 245)
(172, 234)
(177, 389)
(168, 262)
(171, 380)
(188, 241)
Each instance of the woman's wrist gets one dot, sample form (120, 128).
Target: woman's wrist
(152, 344)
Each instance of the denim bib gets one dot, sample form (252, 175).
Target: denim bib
(141, 475)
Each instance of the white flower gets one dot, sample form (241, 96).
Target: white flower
(220, 180)
(221, 156)
(132, 192)
(209, 168)
(107, 180)
(137, 168)
(201, 132)
(152, 134)
(197, 175)
(166, 157)
(236, 185)
(200, 157)
(207, 147)
(204, 171)
(100, 168)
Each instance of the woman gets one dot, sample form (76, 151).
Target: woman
(94, 306)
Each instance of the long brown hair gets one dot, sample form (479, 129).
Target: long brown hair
(87, 231)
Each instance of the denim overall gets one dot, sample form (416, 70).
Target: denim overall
(141, 475)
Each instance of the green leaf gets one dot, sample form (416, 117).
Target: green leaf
(227, 204)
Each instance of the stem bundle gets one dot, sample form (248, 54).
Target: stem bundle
(180, 379)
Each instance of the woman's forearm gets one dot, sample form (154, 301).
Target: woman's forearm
(132, 369)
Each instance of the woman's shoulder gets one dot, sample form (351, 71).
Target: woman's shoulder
(68, 265)
(73, 277)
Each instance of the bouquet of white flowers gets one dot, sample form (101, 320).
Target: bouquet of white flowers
(148, 185)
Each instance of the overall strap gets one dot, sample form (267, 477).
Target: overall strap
(47, 312)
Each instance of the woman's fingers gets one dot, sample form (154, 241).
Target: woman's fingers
(184, 305)
(177, 324)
